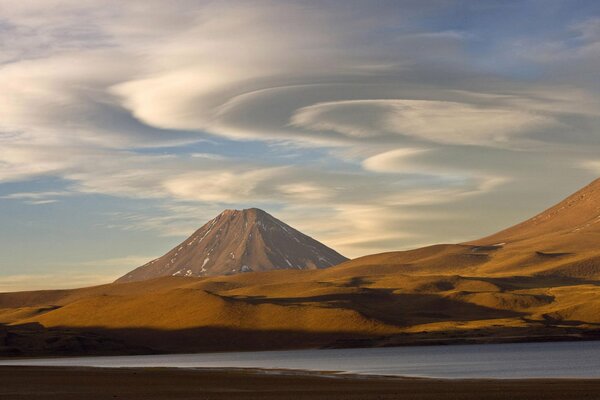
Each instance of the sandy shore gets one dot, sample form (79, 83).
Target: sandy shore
(148, 384)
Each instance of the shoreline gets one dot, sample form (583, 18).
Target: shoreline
(414, 363)
(589, 336)
(22, 382)
(308, 373)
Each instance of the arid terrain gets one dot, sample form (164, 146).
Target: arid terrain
(539, 280)
(17, 383)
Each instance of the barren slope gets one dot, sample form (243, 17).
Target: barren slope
(561, 241)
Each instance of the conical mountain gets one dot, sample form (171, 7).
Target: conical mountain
(239, 241)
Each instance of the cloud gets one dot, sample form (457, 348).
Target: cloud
(60, 280)
(65, 99)
(588, 30)
(407, 161)
(387, 113)
(37, 198)
(247, 75)
(119, 262)
(593, 166)
(304, 191)
(209, 156)
(434, 121)
(220, 186)
(74, 274)
(568, 54)
(395, 161)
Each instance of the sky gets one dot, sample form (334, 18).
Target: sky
(369, 125)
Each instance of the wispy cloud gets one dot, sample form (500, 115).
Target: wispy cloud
(74, 274)
(37, 198)
(61, 280)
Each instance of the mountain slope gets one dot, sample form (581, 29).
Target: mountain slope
(566, 222)
(239, 241)
(563, 241)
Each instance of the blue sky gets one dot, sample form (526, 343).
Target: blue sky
(371, 126)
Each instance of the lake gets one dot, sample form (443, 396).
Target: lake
(503, 361)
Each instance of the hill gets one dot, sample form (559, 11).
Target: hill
(538, 280)
(562, 241)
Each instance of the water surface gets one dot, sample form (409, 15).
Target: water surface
(503, 361)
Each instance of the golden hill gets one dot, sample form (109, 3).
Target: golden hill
(535, 281)
(562, 241)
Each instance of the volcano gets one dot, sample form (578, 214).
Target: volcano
(238, 241)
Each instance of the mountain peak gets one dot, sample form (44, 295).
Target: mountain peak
(246, 211)
(243, 211)
(239, 241)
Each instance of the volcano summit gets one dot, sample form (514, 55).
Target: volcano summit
(239, 241)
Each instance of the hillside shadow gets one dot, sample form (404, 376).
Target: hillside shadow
(37, 340)
(399, 309)
(533, 282)
(32, 341)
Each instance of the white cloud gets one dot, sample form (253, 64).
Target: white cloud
(59, 280)
(395, 161)
(434, 121)
(74, 274)
(37, 198)
(129, 262)
(593, 166)
(305, 191)
(34, 195)
(220, 186)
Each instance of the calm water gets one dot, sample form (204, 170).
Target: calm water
(522, 360)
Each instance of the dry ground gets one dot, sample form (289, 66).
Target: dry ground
(45, 383)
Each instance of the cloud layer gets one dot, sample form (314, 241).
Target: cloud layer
(372, 127)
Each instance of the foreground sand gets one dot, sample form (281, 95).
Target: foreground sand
(149, 384)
